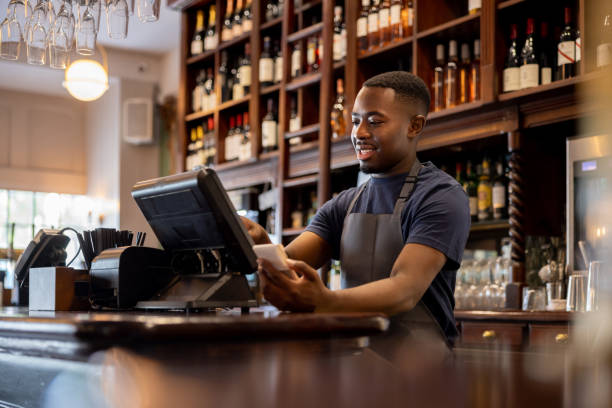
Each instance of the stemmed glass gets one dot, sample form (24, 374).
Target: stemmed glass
(148, 10)
(37, 33)
(62, 35)
(117, 18)
(12, 28)
(86, 30)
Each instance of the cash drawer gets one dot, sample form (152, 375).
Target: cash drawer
(492, 334)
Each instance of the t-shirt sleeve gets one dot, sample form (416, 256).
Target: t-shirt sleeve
(329, 219)
(442, 222)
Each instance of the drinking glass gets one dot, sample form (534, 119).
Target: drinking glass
(534, 299)
(593, 286)
(148, 10)
(62, 35)
(10, 37)
(37, 34)
(86, 30)
(117, 18)
(576, 293)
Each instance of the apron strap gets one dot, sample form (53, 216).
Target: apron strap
(354, 200)
(407, 188)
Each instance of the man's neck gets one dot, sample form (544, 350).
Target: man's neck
(401, 167)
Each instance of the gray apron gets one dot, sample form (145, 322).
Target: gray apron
(369, 246)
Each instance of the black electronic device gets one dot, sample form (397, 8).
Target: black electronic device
(195, 221)
(48, 248)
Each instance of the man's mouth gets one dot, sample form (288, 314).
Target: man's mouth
(364, 152)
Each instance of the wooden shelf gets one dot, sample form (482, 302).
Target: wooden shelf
(199, 115)
(291, 232)
(305, 32)
(231, 104)
(388, 47)
(452, 111)
(303, 81)
(449, 25)
(306, 130)
(269, 89)
(201, 57)
(301, 181)
(307, 6)
(234, 41)
(304, 146)
(543, 88)
(491, 225)
(234, 164)
(502, 5)
(271, 23)
(268, 155)
(339, 65)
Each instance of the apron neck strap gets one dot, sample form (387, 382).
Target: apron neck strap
(407, 188)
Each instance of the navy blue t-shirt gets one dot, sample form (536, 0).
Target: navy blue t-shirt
(437, 215)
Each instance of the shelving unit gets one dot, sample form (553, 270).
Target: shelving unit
(436, 21)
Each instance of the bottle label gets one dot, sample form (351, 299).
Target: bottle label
(247, 25)
(196, 47)
(545, 75)
(529, 75)
(295, 124)
(268, 133)
(383, 18)
(473, 206)
(373, 23)
(343, 42)
(604, 55)
(578, 49)
(244, 72)
(212, 100)
(278, 69)
(499, 197)
(566, 53)
(484, 197)
(474, 5)
(396, 12)
(362, 27)
(226, 34)
(196, 99)
(311, 54)
(337, 47)
(410, 17)
(237, 30)
(296, 62)
(512, 79)
(237, 91)
(245, 151)
(266, 70)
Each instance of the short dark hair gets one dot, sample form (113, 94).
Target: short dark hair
(407, 87)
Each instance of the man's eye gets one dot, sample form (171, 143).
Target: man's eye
(375, 122)
(355, 122)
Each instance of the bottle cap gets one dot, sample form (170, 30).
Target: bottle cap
(440, 52)
(465, 51)
(477, 47)
(452, 48)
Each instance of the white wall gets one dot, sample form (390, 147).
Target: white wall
(169, 73)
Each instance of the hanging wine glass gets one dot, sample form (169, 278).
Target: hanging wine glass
(62, 35)
(23, 12)
(95, 9)
(86, 30)
(117, 18)
(148, 10)
(37, 34)
(13, 27)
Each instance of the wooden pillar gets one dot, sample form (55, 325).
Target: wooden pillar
(516, 208)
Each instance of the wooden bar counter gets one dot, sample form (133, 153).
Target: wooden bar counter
(263, 359)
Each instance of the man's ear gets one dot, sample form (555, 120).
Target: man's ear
(417, 123)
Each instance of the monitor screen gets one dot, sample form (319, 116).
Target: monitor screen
(191, 211)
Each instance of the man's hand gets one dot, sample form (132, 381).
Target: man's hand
(303, 291)
(256, 231)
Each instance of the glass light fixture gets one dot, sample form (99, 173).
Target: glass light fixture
(87, 79)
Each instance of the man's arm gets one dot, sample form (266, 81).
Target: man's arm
(412, 273)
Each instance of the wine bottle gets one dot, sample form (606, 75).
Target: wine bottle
(530, 69)
(485, 199)
(271, 10)
(438, 80)
(475, 73)
(296, 61)
(471, 188)
(197, 43)
(211, 40)
(546, 58)
(373, 34)
(198, 91)
(295, 122)
(338, 46)
(395, 20)
(247, 18)
(269, 129)
(208, 96)
(223, 77)
(383, 22)
(278, 64)
(362, 26)
(212, 151)
(311, 54)
(512, 71)
(338, 122)
(464, 74)
(408, 18)
(266, 64)
(245, 144)
(229, 139)
(226, 32)
(244, 70)
(500, 206)
(450, 76)
(237, 20)
(566, 49)
(604, 49)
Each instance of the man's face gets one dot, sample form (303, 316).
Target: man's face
(382, 134)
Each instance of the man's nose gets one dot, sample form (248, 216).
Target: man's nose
(360, 131)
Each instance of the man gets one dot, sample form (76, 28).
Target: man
(399, 237)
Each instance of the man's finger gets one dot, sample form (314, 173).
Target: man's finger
(279, 278)
(303, 268)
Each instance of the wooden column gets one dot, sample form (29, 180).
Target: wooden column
(516, 208)
(326, 100)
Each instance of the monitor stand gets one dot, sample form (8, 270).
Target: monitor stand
(203, 292)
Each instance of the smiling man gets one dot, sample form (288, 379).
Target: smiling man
(399, 237)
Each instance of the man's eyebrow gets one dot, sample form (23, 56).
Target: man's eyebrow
(371, 113)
